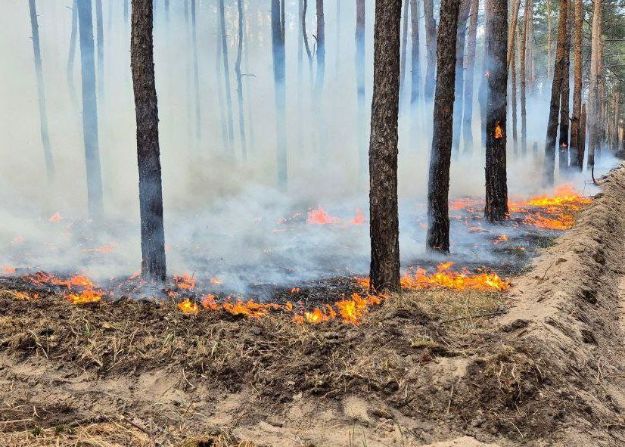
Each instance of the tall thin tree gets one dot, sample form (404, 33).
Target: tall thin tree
(556, 86)
(196, 74)
(153, 267)
(465, 6)
(41, 93)
(360, 85)
(405, 12)
(90, 109)
(430, 41)
(496, 208)
(237, 70)
(226, 72)
(594, 93)
(563, 142)
(100, 47)
(321, 49)
(72, 52)
(442, 137)
(467, 118)
(383, 152)
(415, 67)
(279, 74)
(524, 72)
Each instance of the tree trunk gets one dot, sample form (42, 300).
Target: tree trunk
(72, 52)
(277, 40)
(148, 149)
(549, 39)
(405, 12)
(100, 48)
(415, 62)
(196, 74)
(360, 85)
(558, 73)
(41, 91)
(442, 137)
(467, 124)
(383, 201)
(461, 34)
(430, 41)
(90, 109)
(524, 58)
(321, 49)
(513, 29)
(237, 69)
(226, 68)
(563, 142)
(582, 138)
(594, 98)
(513, 90)
(496, 53)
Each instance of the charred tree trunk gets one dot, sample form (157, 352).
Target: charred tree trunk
(594, 94)
(321, 49)
(148, 149)
(383, 201)
(237, 69)
(415, 62)
(552, 124)
(496, 53)
(524, 57)
(405, 12)
(461, 35)
(582, 138)
(563, 142)
(442, 137)
(430, 41)
(100, 48)
(90, 109)
(41, 93)
(467, 118)
(277, 34)
(72, 52)
(360, 85)
(226, 69)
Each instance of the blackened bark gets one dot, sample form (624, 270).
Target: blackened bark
(496, 208)
(442, 137)
(430, 41)
(563, 142)
(384, 227)
(415, 88)
(237, 70)
(552, 124)
(582, 138)
(226, 73)
(461, 35)
(41, 92)
(277, 39)
(148, 150)
(467, 119)
(360, 85)
(321, 48)
(90, 109)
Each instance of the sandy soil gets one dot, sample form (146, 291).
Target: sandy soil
(541, 365)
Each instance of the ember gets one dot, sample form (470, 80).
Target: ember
(319, 216)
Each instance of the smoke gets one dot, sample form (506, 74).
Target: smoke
(224, 217)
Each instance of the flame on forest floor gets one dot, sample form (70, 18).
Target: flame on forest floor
(55, 218)
(80, 289)
(550, 212)
(185, 281)
(446, 278)
(319, 216)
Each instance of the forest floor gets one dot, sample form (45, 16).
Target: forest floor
(539, 365)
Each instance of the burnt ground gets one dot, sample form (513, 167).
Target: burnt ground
(540, 365)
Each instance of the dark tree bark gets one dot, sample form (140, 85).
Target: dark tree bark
(496, 208)
(582, 138)
(461, 35)
(41, 93)
(467, 124)
(360, 85)
(594, 93)
(226, 73)
(442, 137)
(278, 46)
(383, 202)
(237, 69)
(100, 47)
(72, 52)
(563, 143)
(513, 93)
(430, 41)
(524, 58)
(405, 12)
(90, 109)
(321, 49)
(148, 149)
(415, 88)
(558, 73)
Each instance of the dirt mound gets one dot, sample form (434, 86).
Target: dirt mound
(539, 365)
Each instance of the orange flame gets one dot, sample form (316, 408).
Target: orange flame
(85, 297)
(498, 133)
(188, 307)
(359, 218)
(184, 282)
(319, 216)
